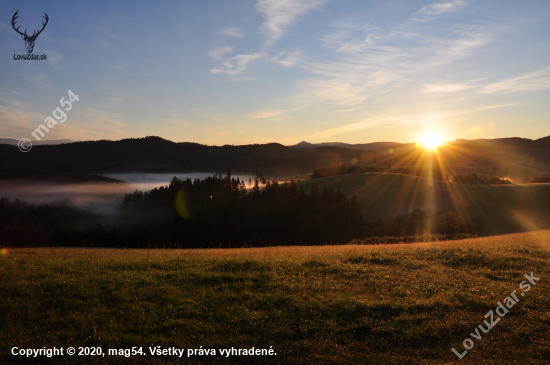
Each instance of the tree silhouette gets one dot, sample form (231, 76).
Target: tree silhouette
(449, 223)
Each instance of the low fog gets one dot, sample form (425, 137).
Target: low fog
(101, 200)
(147, 181)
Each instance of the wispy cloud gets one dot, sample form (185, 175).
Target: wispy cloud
(448, 45)
(88, 124)
(429, 12)
(364, 65)
(439, 8)
(455, 113)
(470, 39)
(55, 59)
(288, 59)
(218, 54)
(8, 99)
(446, 88)
(346, 83)
(368, 60)
(113, 100)
(537, 80)
(268, 114)
(355, 45)
(93, 123)
(18, 123)
(281, 14)
(345, 111)
(328, 133)
(497, 106)
(233, 32)
(346, 40)
(390, 121)
(39, 80)
(183, 123)
(236, 65)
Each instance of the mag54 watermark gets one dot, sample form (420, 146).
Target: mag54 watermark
(25, 144)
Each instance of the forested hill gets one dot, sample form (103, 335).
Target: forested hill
(154, 154)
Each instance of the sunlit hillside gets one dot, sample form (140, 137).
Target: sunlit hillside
(503, 209)
(516, 158)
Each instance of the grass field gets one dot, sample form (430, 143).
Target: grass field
(394, 304)
(503, 208)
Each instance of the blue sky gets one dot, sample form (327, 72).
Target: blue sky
(258, 71)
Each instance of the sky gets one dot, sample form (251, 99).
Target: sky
(257, 71)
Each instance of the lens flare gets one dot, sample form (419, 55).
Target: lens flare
(3, 251)
(183, 204)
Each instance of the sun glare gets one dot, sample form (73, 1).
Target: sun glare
(431, 141)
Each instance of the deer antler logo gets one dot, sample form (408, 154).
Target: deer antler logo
(29, 40)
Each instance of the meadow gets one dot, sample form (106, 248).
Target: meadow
(351, 304)
(503, 208)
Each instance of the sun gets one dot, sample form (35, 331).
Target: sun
(431, 141)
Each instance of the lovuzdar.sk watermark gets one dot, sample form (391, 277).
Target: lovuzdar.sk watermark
(30, 57)
(500, 310)
(29, 40)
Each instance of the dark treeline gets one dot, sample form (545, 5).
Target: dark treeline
(474, 179)
(28, 225)
(541, 180)
(434, 174)
(414, 171)
(219, 212)
(423, 222)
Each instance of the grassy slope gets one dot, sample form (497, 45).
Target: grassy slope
(397, 304)
(504, 209)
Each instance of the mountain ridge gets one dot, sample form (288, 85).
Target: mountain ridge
(14, 142)
(156, 154)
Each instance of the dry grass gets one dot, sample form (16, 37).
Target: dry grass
(384, 304)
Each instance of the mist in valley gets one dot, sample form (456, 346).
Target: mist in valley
(94, 202)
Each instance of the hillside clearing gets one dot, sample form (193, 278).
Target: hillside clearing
(503, 208)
